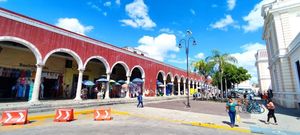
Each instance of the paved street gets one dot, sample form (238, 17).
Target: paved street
(119, 125)
(161, 117)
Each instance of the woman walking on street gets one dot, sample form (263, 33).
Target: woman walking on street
(271, 108)
(231, 109)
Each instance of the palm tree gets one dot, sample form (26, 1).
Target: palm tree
(221, 59)
(204, 68)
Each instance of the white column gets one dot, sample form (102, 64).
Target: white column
(184, 88)
(107, 87)
(127, 82)
(79, 85)
(143, 87)
(165, 90)
(173, 88)
(178, 88)
(37, 83)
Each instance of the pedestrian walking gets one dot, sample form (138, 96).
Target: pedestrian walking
(140, 100)
(265, 98)
(231, 109)
(66, 91)
(271, 113)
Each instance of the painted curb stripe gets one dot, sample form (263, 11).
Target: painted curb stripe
(207, 125)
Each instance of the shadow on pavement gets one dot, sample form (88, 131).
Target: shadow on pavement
(262, 121)
(226, 122)
(282, 110)
(287, 111)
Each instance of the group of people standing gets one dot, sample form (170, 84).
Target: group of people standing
(231, 108)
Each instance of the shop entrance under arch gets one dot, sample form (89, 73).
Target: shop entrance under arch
(60, 70)
(175, 91)
(186, 86)
(136, 82)
(17, 71)
(117, 79)
(95, 72)
(181, 86)
(160, 84)
(169, 87)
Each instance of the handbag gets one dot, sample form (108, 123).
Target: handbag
(238, 118)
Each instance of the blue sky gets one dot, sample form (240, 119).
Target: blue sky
(156, 26)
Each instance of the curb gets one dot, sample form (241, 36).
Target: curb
(212, 125)
(51, 106)
(116, 112)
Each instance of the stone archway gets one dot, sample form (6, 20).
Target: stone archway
(96, 67)
(160, 83)
(62, 75)
(118, 77)
(18, 60)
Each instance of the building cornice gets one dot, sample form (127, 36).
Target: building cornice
(33, 22)
(284, 6)
(275, 8)
(275, 58)
(294, 45)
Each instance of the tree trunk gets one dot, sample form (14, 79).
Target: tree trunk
(221, 82)
(226, 91)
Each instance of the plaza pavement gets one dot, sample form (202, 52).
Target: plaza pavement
(172, 109)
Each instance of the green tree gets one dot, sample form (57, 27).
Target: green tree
(220, 59)
(234, 75)
(204, 68)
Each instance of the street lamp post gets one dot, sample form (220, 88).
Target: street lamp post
(186, 42)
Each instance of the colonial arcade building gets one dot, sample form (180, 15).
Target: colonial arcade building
(39, 61)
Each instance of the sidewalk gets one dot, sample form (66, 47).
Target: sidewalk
(288, 122)
(51, 105)
(198, 115)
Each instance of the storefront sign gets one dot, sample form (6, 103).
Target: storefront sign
(30, 66)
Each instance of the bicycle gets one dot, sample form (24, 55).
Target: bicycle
(251, 107)
(254, 107)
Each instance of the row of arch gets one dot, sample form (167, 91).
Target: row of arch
(40, 62)
(81, 65)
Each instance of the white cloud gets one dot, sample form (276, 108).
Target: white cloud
(199, 56)
(73, 24)
(246, 58)
(223, 23)
(94, 6)
(254, 19)
(3, 0)
(231, 4)
(107, 4)
(118, 2)
(193, 11)
(172, 56)
(180, 34)
(182, 62)
(166, 30)
(158, 47)
(138, 13)
(177, 61)
(105, 13)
